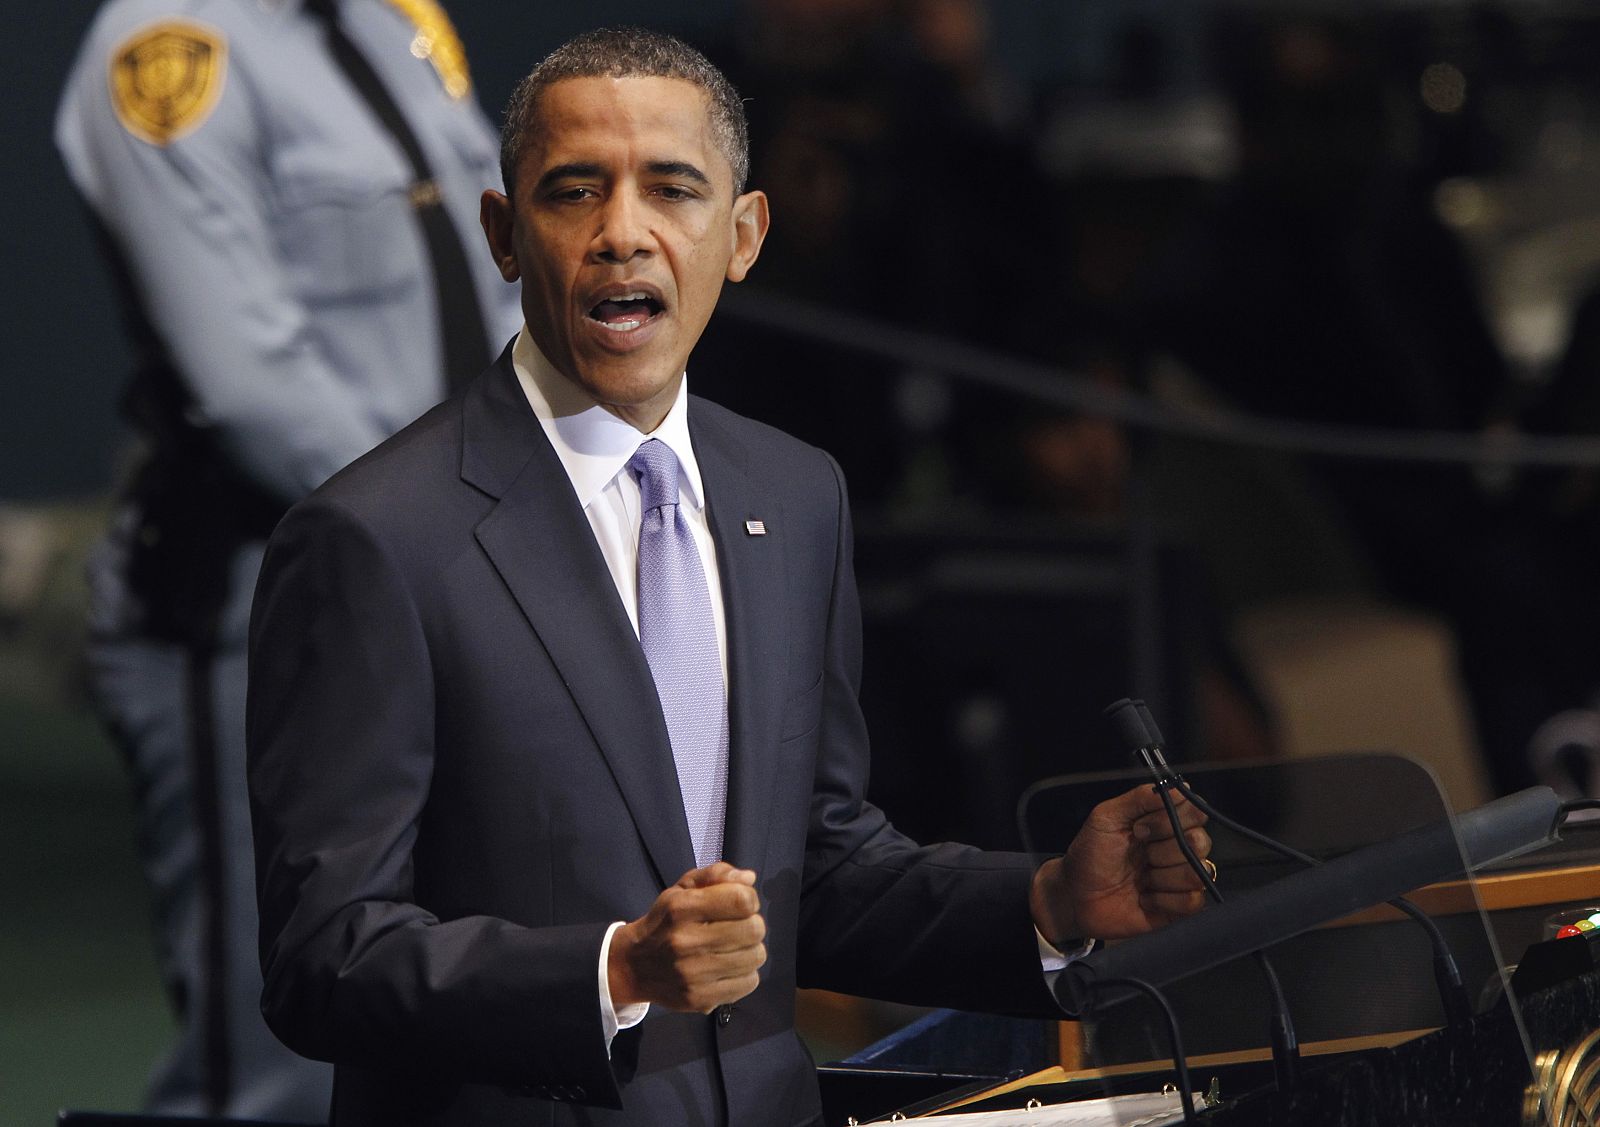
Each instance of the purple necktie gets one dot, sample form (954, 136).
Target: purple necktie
(679, 638)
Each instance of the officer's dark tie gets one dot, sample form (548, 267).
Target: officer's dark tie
(466, 350)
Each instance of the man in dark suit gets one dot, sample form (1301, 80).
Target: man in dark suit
(542, 819)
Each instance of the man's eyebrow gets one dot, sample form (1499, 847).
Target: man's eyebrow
(587, 170)
(678, 168)
(575, 170)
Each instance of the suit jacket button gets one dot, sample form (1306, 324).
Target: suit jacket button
(724, 1014)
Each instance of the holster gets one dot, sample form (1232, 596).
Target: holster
(197, 509)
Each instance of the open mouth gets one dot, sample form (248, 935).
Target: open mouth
(626, 312)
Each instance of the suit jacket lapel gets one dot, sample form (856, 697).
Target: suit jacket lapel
(753, 595)
(541, 544)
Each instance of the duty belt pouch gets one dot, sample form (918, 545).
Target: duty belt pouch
(196, 511)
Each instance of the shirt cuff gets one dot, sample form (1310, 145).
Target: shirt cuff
(1052, 960)
(611, 1018)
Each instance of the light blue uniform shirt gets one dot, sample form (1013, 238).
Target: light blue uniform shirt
(274, 246)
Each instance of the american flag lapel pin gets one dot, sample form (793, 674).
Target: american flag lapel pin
(755, 528)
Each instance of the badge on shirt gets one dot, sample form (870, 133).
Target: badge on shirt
(166, 79)
(436, 40)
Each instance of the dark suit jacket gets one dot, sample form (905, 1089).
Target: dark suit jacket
(460, 775)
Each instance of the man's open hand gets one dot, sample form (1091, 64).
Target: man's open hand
(699, 946)
(1124, 873)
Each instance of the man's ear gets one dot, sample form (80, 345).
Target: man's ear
(750, 220)
(495, 214)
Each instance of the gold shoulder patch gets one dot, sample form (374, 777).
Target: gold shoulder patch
(166, 79)
(436, 40)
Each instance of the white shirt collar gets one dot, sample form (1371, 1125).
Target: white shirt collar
(592, 443)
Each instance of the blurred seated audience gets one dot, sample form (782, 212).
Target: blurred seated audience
(1320, 286)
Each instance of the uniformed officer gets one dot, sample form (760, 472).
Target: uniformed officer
(287, 191)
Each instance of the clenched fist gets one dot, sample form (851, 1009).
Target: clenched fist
(1124, 872)
(698, 947)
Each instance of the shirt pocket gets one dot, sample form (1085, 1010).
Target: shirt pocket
(346, 237)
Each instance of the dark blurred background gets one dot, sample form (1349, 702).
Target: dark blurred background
(1384, 216)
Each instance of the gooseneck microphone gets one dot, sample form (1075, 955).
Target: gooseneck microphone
(1180, 1059)
(1130, 726)
(1261, 917)
(1290, 906)
(1453, 994)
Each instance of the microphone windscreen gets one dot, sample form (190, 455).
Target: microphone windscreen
(1127, 724)
(1151, 730)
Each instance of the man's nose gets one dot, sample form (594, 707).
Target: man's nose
(624, 229)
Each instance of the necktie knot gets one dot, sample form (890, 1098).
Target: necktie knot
(656, 467)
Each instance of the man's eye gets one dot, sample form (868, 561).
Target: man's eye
(674, 192)
(573, 195)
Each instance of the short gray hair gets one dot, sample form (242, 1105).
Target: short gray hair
(628, 52)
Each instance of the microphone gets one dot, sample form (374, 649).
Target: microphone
(1125, 717)
(1287, 907)
(1496, 831)
(1446, 971)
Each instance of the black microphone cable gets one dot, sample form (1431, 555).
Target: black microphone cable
(1453, 994)
(1180, 1060)
(1124, 716)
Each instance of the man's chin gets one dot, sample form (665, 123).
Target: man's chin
(636, 393)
